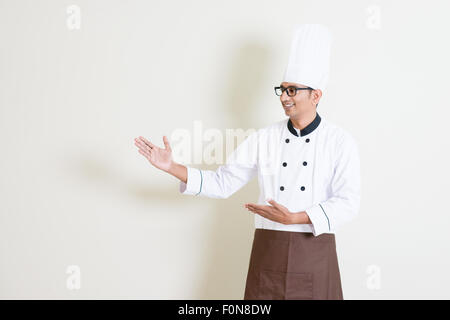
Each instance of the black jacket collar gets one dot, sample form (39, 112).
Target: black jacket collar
(306, 130)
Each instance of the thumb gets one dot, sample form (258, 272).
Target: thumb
(275, 204)
(166, 143)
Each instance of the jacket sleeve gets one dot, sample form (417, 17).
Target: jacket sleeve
(239, 169)
(344, 203)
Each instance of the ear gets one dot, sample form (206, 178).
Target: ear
(316, 95)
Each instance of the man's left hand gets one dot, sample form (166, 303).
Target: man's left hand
(276, 212)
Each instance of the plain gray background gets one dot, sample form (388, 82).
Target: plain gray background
(75, 191)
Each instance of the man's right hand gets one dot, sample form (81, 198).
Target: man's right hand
(160, 158)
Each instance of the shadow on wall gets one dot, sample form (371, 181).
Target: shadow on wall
(231, 233)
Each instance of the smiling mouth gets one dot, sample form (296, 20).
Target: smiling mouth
(288, 106)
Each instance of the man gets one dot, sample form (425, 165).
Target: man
(309, 178)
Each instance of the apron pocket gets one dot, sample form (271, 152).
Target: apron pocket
(299, 286)
(277, 285)
(271, 285)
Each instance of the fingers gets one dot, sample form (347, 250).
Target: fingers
(275, 204)
(141, 144)
(258, 208)
(148, 143)
(254, 206)
(271, 215)
(145, 153)
(144, 148)
(250, 204)
(261, 213)
(144, 144)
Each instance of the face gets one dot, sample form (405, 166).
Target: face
(304, 101)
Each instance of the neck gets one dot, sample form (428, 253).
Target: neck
(301, 121)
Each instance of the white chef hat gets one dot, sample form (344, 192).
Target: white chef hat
(309, 59)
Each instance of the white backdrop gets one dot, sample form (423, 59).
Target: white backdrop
(79, 80)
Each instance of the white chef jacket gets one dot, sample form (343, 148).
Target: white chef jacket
(316, 169)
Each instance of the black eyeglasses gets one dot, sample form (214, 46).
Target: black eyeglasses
(291, 90)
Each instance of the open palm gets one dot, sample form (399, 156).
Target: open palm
(159, 157)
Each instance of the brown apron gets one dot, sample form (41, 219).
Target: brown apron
(293, 266)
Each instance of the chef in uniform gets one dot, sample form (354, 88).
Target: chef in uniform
(308, 171)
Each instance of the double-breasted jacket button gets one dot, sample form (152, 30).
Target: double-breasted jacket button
(302, 188)
(281, 188)
(284, 164)
(305, 163)
(287, 140)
